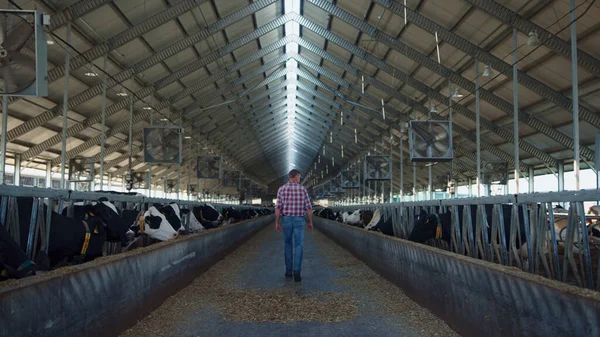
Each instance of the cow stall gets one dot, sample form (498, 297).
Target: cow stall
(105, 295)
(511, 265)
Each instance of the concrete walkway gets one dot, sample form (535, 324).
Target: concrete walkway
(246, 294)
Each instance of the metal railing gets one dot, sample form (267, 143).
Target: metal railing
(57, 200)
(568, 255)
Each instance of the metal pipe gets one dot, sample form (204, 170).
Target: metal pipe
(451, 173)
(3, 139)
(575, 94)
(49, 174)
(478, 128)
(531, 177)
(103, 126)
(597, 160)
(391, 166)
(516, 110)
(63, 153)
(561, 175)
(109, 183)
(130, 145)
(414, 181)
(402, 165)
(150, 166)
(17, 174)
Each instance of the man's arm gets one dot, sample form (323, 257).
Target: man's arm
(308, 207)
(278, 211)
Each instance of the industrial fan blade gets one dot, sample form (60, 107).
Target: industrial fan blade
(17, 34)
(17, 72)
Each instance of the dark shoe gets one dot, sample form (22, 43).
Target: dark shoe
(288, 275)
(297, 277)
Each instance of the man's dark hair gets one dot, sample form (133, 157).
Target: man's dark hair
(293, 173)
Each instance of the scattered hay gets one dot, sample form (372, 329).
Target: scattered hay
(271, 305)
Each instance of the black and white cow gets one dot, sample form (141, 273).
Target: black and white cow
(75, 240)
(379, 224)
(208, 216)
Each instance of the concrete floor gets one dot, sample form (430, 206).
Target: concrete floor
(383, 309)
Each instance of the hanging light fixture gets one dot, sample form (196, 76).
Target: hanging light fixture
(319, 159)
(330, 137)
(362, 77)
(433, 108)
(487, 71)
(332, 162)
(323, 149)
(341, 118)
(122, 93)
(533, 40)
(342, 151)
(456, 94)
(326, 169)
(147, 108)
(383, 108)
(355, 137)
(91, 72)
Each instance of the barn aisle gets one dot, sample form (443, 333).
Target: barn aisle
(246, 294)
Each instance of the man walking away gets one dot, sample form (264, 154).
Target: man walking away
(292, 203)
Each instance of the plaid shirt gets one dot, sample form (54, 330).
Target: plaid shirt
(293, 200)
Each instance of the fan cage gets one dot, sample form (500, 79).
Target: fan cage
(87, 164)
(377, 168)
(208, 167)
(417, 155)
(350, 179)
(174, 148)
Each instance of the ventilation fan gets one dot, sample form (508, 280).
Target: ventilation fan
(81, 169)
(170, 185)
(494, 173)
(350, 179)
(208, 167)
(335, 186)
(231, 179)
(162, 144)
(140, 180)
(378, 168)
(246, 185)
(23, 54)
(193, 189)
(430, 141)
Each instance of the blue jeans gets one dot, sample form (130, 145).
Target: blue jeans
(293, 227)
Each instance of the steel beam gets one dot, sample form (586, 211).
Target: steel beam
(550, 40)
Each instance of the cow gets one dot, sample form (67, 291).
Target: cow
(438, 226)
(208, 216)
(379, 224)
(75, 240)
(13, 261)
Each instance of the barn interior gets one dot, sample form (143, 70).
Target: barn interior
(387, 108)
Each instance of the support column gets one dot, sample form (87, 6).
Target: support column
(63, 153)
(515, 69)
(103, 125)
(561, 175)
(470, 184)
(414, 181)
(49, 174)
(597, 160)
(109, 184)
(17, 174)
(3, 139)
(402, 164)
(575, 94)
(478, 128)
(531, 177)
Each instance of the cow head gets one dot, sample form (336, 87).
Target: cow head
(157, 226)
(172, 213)
(425, 228)
(116, 227)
